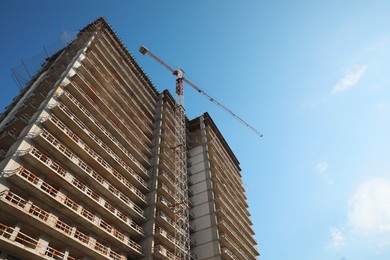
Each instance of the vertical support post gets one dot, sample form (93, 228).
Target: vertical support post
(181, 207)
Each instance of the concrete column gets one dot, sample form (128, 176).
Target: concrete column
(66, 253)
(16, 230)
(203, 210)
(43, 243)
(61, 195)
(28, 205)
(52, 220)
(148, 242)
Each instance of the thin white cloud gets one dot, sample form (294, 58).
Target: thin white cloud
(337, 239)
(322, 170)
(322, 167)
(369, 208)
(349, 80)
(368, 222)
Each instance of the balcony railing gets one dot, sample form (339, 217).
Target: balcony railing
(107, 134)
(25, 242)
(229, 253)
(126, 75)
(75, 182)
(236, 237)
(77, 209)
(170, 221)
(100, 73)
(168, 191)
(99, 159)
(64, 200)
(113, 116)
(228, 189)
(226, 172)
(164, 252)
(53, 222)
(89, 171)
(230, 211)
(231, 199)
(169, 237)
(233, 246)
(243, 230)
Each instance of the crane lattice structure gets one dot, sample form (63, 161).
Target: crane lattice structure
(181, 208)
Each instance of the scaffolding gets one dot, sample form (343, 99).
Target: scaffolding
(182, 236)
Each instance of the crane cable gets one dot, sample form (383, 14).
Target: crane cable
(221, 106)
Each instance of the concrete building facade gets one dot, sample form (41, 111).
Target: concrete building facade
(87, 166)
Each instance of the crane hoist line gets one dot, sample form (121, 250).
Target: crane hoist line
(179, 89)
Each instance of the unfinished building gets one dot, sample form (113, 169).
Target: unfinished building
(88, 172)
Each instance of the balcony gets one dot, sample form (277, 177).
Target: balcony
(82, 130)
(166, 206)
(166, 222)
(93, 97)
(43, 163)
(174, 242)
(167, 193)
(115, 97)
(165, 237)
(222, 205)
(235, 181)
(236, 239)
(228, 243)
(128, 75)
(94, 159)
(228, 189)
(53, 197)
(227, 254)
(20, 244)
(136, 109)
(160, 252)
(238, 226)
(168, 169)
(62, 153)
(48, 223)
(94, 124)
(69, 182)
(168, 181)
(222, 191)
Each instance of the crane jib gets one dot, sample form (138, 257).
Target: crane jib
(180, 89)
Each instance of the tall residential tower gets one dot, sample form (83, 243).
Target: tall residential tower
(87, 164)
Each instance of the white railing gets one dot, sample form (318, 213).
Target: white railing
(67, 230)
(89, 171)
(94, 137)
(24, 241)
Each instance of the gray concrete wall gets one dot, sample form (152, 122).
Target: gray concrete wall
(203, 209)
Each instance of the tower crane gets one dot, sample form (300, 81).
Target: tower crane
(179, 74)
(181, 207)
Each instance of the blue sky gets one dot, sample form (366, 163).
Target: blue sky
(313, 76)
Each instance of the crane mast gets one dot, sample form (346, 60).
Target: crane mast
(181, 207)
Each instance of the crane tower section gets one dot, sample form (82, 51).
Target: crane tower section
(182, 235)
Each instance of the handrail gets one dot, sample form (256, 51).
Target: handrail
(24, 241)
(80, 186)
(98, 158)
(94, 137)
(105, 131)
(59, 225)
(87, 169)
